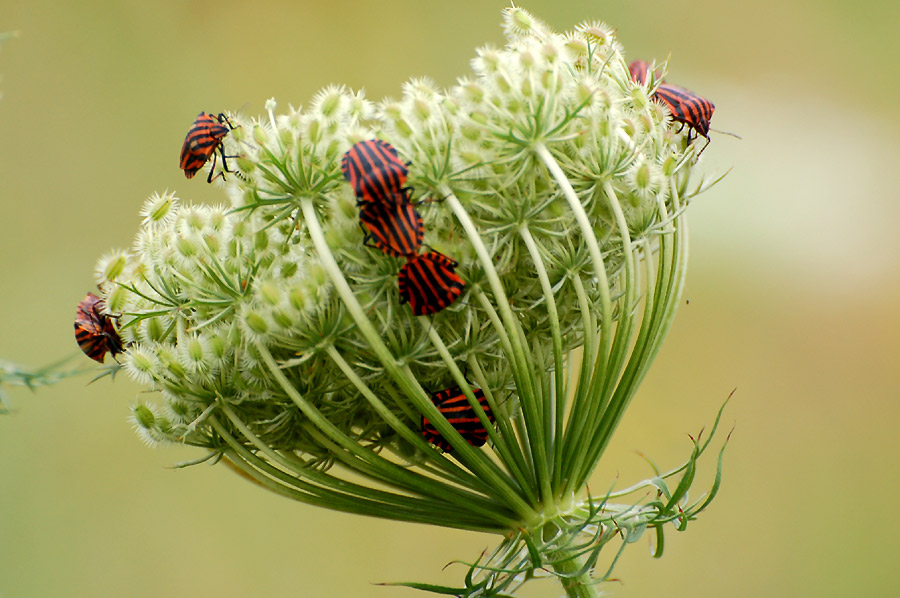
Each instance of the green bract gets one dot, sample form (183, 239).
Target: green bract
(277, 338)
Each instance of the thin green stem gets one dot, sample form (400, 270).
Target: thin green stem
(363, 459)
(526, 381)
(575, 427)
(449, 469)
(575, 577)
(628, 302)
(674, 269)
(553, 411)
(522, 432)
(602, 391)
(293, 473)
(605, 371)
(590, 239)
(508, 439)
(658, 317)
(477, 462)
(502, 449)
(263, 473)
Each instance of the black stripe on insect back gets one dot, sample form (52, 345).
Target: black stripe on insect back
(203, 141)
(375, 171)
(94, 330)
(91, 342)
(373, 155)
(455, 407)
(687, 107)
(639, 69)
(429, 283)
(640, 72)
(395, 229)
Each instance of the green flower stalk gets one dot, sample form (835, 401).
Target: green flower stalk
(277, 341)
(13, 374)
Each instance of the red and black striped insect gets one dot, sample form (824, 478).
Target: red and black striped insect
(639, 70)
(395, 229)
(94, 330)
(687, 108)
(376, 172)
(204, 141)
(454, 406)
(429, 283)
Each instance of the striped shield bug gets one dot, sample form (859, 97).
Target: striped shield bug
(687, 108)
(94, 330)
(454, 406)
(395, 229)
(204, 141)
(639, 70)
(376, 172)
(429, 283)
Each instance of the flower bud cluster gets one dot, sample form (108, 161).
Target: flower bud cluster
(205, 287)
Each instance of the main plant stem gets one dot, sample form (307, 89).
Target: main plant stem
(575, 577)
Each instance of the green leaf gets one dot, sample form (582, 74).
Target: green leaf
(427, 587)
(660, 541)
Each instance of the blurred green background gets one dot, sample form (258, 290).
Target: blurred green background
(792, 295)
